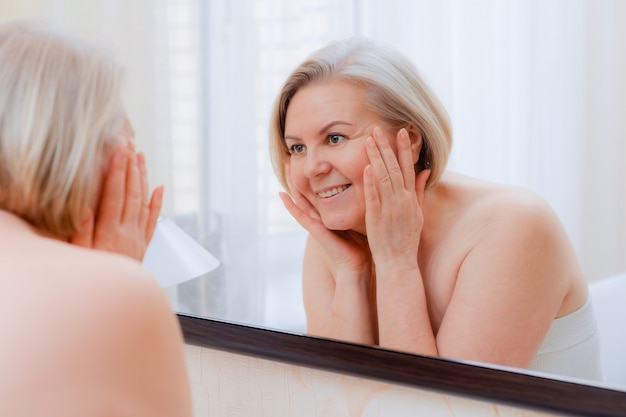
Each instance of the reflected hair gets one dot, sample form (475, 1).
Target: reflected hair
(394, 90)
(60, 108)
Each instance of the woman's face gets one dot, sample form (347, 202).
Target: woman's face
(326, 126)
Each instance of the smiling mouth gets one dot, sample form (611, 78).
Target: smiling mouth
(333, 191)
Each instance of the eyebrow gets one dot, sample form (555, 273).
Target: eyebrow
(324, 128)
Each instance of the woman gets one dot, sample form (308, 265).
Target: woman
(404, 254)
(85, 332)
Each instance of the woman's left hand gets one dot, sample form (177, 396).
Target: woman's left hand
(393, 198)
(126, 214)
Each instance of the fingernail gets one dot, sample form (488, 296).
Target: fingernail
(404, 135)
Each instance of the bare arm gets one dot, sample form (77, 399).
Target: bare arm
(335, 308)
(101, 341)
(336, 278)
(508, 289)
(394, 222)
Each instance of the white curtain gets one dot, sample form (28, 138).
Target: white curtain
(536, 90)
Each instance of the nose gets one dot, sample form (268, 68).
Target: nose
(316, 164)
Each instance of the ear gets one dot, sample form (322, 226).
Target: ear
(415, 135)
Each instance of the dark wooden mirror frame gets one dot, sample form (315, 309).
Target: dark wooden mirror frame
(446, 376)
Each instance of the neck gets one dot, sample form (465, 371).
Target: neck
(437, 208)
(8, 219)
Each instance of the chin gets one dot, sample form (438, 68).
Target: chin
(338, 224)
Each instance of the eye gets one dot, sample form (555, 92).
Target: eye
(335, 138)
(296, 149)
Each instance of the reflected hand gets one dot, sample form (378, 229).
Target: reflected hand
(393, 199)
(126, 214)
(347, 250)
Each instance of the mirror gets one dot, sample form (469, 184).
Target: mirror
(546, 71)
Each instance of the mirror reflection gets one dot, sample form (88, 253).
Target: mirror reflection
(533, 91)
(521, 108)
(404, 254)
(528, 130)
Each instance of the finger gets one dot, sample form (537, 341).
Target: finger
(380, 175)
(405, 158)
(296, 212)
(390, 159)
(372, 199)
(420, 185)
(133, 203)
(143, 175)
(311, 224)
(306, 205)
(144, 189)
(113, 192)
(84, 235)
(156, 202)
(299, 199)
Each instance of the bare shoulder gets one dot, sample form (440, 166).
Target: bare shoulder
(108, 286)
(506, 206)
(71, 279)
(481, 225)
(517, 228)
(518, 207)
(102, 329)
(516, 272)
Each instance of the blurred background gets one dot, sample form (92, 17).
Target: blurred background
(536, 90)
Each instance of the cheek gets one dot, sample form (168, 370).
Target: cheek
(354, 163)
(295, 177)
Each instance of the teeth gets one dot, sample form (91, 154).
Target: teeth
(333, 192)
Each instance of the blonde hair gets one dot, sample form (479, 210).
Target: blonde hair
(395, 91)
(60, 106)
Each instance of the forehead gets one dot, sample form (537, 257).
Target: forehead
(321, 102)
(325, 93)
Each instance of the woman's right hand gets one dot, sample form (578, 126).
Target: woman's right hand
(336, 277)
(347, 251)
